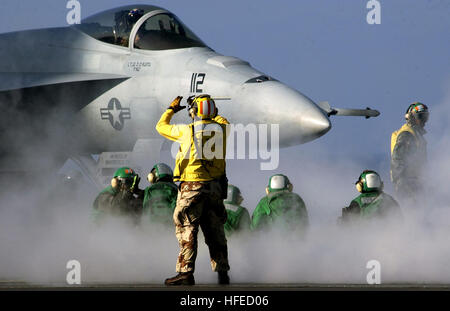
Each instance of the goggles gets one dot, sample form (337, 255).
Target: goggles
(125, 181)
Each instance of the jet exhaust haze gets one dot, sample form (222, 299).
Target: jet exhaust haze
(40, 230)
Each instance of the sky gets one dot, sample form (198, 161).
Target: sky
(326, 50)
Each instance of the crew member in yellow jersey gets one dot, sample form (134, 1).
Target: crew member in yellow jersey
(409, 153)
(200, 169)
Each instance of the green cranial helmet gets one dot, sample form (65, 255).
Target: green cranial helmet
(160, 171)
(279, 182)
(369, 181)
(233, 195)
(125, 173)
(417, 113)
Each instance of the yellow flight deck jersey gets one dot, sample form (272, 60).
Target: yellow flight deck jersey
(202, 158)
(399, 160)
(405, 128)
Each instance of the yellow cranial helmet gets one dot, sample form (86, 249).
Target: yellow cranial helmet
(203, 106)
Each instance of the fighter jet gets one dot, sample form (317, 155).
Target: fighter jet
(100, 87)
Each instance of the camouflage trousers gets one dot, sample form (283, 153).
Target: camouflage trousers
(199, 204)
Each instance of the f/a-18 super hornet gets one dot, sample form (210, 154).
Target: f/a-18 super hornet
(100, 87)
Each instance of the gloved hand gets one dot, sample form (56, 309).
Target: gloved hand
(175, 105)
(135, 184)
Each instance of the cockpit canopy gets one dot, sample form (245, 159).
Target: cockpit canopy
(158, 30)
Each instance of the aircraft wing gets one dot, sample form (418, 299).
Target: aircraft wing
(368, 113)
(13, 81)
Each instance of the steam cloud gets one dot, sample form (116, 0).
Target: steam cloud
(40, 230)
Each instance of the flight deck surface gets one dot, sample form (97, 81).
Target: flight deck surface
(14, 285)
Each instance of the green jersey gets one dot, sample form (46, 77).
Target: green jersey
(371, 205)
(117, 203)
(160, 200)
(238, 219)
(281, 207)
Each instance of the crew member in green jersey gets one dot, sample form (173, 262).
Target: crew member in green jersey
(160, 197)
(122, 198)
(280, 208)
(238, 218)
(372, 202)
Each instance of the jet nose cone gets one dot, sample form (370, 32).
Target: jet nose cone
(300, 120)
(315, 123)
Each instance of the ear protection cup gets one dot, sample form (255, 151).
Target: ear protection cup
(359, 186)
(114, 182)
(290, 187)
(151, 178)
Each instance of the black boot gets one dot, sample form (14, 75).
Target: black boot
(182, 278)
(224, 279)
